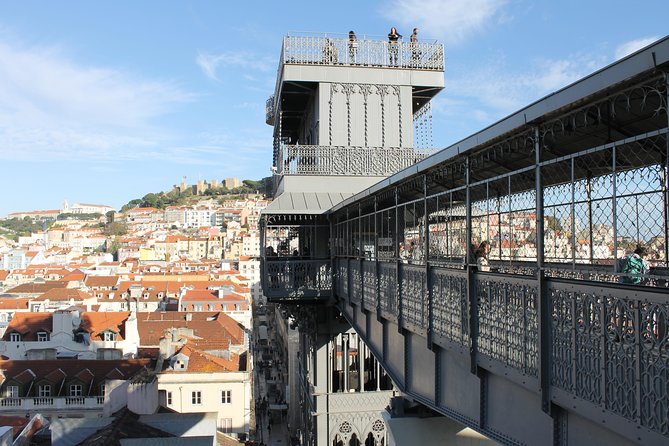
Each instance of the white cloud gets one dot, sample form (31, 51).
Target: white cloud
(628, 48)
(482, 95)
(53, 108)
(449, 20)
(211, 63)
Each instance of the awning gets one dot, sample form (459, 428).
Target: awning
(305, 202)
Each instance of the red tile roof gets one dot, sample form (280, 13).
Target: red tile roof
(36, 287)
(58, 369)
(28, 325)
(97, 323)
(14, 303)
(64, 295)
(206, 325)
(201, 362)
(102, 281)
(200, 296)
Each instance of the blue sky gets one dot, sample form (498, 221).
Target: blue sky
(102, 102)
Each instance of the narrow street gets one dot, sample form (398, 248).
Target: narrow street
(269, 388)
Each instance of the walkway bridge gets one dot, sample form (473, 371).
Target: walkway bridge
(555, 343)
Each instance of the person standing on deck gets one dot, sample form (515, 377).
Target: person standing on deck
(393, 45)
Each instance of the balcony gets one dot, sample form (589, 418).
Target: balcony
(288, 279)
(333, 49)
(55, 403)
(346, 160)
(269, 110)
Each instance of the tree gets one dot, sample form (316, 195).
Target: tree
(116, 228)
(112, 247)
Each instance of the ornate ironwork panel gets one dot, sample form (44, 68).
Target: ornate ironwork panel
(450, 305)
(297, 278)
(369, 285)
(508, 322)
(342, 277)
(563, 339)
(347, 160)
(388, 287)
(613, 351)
(654, 365)
(621, 360)
(356, 280)
(414, 298)
(338, 50)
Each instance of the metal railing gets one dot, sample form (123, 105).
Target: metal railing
(296, 279)
(269, 110)
(607, 346)
(347, 160)
(30, 403)
(324, 50)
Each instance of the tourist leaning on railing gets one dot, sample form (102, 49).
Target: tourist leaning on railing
(634, 266)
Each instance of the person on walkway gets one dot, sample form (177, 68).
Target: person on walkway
(634, 266)
(352, 47)
(330, 55)
(482, 252)
(415, 52)
(393, 45)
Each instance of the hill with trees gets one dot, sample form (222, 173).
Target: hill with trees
(176, 197)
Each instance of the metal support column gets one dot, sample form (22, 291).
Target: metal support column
(543, 299)
(426, 254)
(665, 169)
(471, 280)
(397, 257)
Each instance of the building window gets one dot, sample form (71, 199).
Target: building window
(109, 336)
(103, 390)
(196, 397)
(76, 390)
(15, 337)
(45, 390)
(12, 392)
(169, 398)
(35, 308)
(42, 336)
(226, 396)
(226, 425)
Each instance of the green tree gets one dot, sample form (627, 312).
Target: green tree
(116, 228)
(113, 246)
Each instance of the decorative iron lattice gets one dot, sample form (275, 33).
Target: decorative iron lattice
(297, 277)
(414, 298)
(369, 285)
(270, 110)
(321, 50)
(451, 306)
(422, 127)
(388, 287)
(356, 280)
(508, 323)
(613, 351)
(347, 160)
(342, 277)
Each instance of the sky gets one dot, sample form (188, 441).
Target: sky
(102, 102)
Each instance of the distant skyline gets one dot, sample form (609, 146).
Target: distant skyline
(105, 102)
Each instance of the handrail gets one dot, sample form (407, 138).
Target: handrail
(346, 160)
(322, 50)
